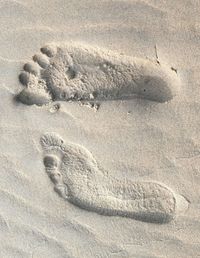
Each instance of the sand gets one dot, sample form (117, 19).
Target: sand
(100, 147)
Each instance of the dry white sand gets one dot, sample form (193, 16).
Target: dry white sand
(126, 169)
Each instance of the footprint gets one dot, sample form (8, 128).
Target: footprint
(80, 72)
(78, 178)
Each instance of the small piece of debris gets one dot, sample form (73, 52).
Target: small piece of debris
(54, 108)
(174, 69)
(94, 106)
(91, 96)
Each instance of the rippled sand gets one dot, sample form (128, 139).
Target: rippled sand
(132, 139)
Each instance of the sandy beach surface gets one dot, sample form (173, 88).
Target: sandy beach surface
(132, 164)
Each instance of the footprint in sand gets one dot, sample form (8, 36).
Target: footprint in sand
(80, 72)
(78, 178)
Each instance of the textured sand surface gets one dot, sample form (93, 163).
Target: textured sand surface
(135, 139)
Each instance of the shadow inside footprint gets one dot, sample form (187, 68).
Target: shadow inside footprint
(154, 88)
